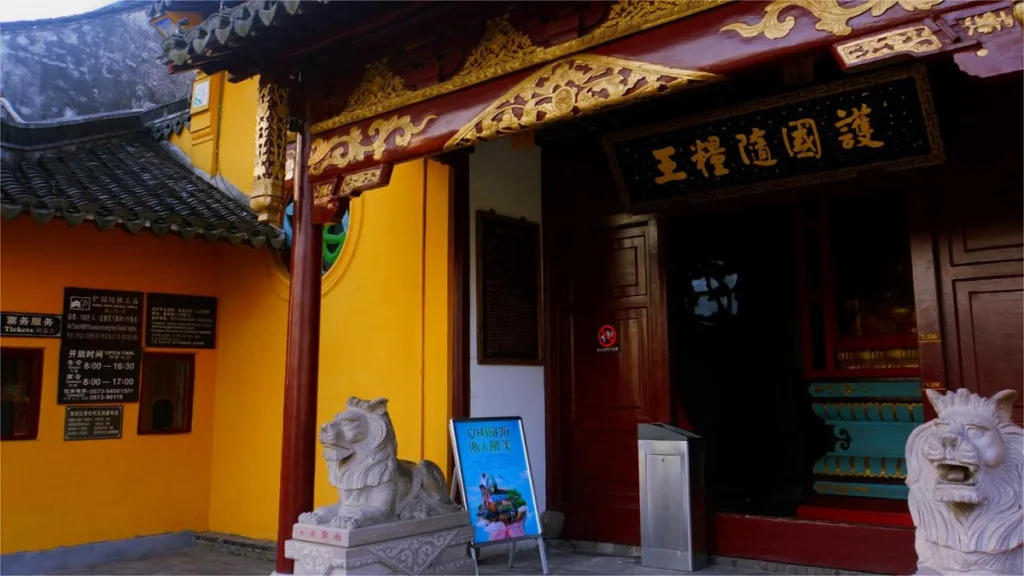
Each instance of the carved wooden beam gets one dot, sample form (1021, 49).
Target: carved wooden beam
(998, 29)
(986, 40)
(671, 56)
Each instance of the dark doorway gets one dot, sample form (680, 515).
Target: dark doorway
(735, 357)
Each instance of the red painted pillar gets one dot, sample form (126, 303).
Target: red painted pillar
(298, 451)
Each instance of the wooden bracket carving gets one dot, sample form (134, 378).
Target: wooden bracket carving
(331, 196)
(922, 38)
(993, 38)
(267, 198)
(985, 40)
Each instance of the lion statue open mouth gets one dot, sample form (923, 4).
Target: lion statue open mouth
(374, 486)
(964, 471)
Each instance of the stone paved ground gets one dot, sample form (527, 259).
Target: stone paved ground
(199, 561)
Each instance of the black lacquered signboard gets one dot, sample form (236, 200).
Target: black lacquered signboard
(93, 422)
(180, 321)
(102, 315)
(884, 121)
(508, 290)
(101, 348)
(30, 325)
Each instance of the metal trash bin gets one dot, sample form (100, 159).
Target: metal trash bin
(673, 520)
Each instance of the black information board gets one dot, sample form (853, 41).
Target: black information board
(508, 290)
(181, 321)
(93, 422)
(30, 325)
(884, 121)
(101, 348)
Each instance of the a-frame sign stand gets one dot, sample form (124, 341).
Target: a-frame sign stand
(473, 546)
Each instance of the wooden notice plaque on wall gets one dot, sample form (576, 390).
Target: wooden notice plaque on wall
(508, 289)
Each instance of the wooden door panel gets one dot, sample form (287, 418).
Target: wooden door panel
(990, 339)
(626, 270)
(615, 279)
(613, 384)
(988, 230)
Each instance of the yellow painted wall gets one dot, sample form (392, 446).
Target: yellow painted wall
(383, 333)
(238, 133)
(384, 330)
(57, 493)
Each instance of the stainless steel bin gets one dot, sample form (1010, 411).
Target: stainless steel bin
(673, 519)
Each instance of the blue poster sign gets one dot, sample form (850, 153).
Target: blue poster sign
(494, 474)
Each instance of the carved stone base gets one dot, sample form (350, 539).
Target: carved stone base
(436, 545)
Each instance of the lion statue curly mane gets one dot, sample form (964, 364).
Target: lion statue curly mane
(373, 485)
(964, 471)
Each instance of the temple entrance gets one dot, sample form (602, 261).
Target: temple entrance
(735, 357)
(795, 329)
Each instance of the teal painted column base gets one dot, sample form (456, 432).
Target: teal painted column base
(871, 421)
(864, 490)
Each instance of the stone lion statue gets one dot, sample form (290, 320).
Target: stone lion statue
(374, 486)
(964, 470)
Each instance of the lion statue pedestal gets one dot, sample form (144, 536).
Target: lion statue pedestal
(392, 516)
(965, 471)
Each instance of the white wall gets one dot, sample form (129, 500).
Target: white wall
(507, 181)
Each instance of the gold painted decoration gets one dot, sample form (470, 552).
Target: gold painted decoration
(502, 50)
(912, 40)
(575, 86)
(345, 149)
(323, 191)
(832, 17)
(1018, 11)
(379, 83)
(267, 198)
(987, 23)
(360, 181)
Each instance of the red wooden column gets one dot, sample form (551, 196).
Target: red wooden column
(298, 450)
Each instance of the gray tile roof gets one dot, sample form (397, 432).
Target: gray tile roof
(229, 28)
(113, 170)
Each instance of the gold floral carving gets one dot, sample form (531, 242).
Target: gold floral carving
(345, 149)
(379, 83)
(987, 23)
(1018, 11)
(323, 191)
(575, 86)
(913, 39)
(503, 50)
(267, 197)
(360, 180)
(832, 17)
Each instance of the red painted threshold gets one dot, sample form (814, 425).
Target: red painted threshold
(859, 547)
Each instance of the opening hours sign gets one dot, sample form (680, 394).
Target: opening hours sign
(101, 348)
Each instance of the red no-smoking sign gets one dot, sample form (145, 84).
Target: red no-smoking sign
(607, 337)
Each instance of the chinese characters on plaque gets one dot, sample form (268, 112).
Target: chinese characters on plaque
(93, 422)
(179, 321)
(30, 325)
(101, 349)
(883, 121)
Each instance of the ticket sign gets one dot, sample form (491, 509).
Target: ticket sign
(93, 422)
(30, 325)
(494, 475)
